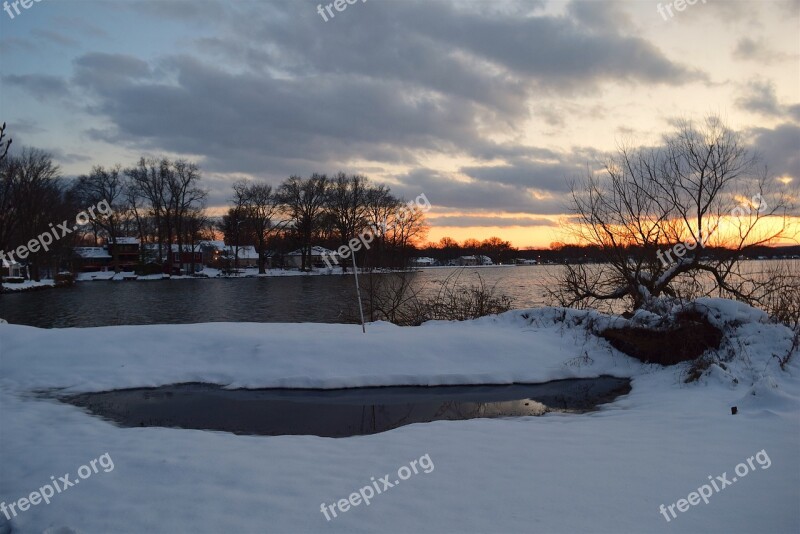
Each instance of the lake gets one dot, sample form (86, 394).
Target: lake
(325, 298)
(322, 299)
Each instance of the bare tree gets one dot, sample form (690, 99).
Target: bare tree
(148, 196)
(233, 226)
(261, 207)
(4, 146)
(169, 194)
(347, 206)
(105, 185)
(186, 199)
(380, 207)
(32, 201)
(303, 201)
(407, 228)
(700, 193)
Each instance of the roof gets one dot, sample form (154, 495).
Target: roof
(246, 252)
(315, 251)
(6, 264)
(153, 247)
(95, 253)
(125, 240)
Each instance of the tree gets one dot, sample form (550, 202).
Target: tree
(303, 201)
(380, 206)
(260, 206)
(471, 246)
(447, 243)
(407, 228)
(497, 249)
(347, 206)
(104, 185)
(186, 200)
(148, 196)
(32, 201)
(233, 226)
(169, 194)
(688, 193)
(4, 146)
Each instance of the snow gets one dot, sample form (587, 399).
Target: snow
(725, 312)
(608, 471)
(27, 285)
(92, 253)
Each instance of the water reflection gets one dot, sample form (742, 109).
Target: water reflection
(340, 413)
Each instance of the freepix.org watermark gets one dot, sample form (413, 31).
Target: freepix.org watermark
(367, 493)
(368, 235)
(26, 4)
(43, 241)
(719, 483)
(756, 203)
(338, 5)
(679, 5)
(56, 486)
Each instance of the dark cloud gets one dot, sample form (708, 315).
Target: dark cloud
(118, 66)
(550, 177)
(464, 221)
(779, 150)
(759, 97)
(600, 15)
(748, 49)
(54, 37)
(66, 158)
(40, 86)
(443, 191)
(25, 127)
(278, 91)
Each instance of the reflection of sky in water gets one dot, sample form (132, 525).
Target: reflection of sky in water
(315, 299)
(340, 413)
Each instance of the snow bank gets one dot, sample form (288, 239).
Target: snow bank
(607, 471)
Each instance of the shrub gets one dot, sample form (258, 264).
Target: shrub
(396, 298)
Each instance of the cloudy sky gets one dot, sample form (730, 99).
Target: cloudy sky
(488, 107)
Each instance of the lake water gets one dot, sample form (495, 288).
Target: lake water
(323, 299)
(326, 299)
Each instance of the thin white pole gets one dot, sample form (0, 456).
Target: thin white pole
(358, 292)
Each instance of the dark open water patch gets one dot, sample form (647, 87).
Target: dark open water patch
(340, 413)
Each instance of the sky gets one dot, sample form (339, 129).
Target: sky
(489, 108)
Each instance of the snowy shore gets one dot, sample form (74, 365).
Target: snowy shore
(607, 471)
(208, 272)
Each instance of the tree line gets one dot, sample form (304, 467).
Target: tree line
(498, 250)
(163, 202)
(323, 210)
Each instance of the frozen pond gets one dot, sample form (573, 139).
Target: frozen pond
(340, 412)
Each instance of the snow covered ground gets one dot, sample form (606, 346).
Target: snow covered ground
(28, 285)
(607, 471)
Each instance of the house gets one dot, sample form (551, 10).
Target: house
(91, 259)
(127, 250)
(12, 269)
(317, 258)
(247, 257)
(181, 258)
(466, 261)
(423, 262)
(221, 256)
(470, 261)
(215, 254)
